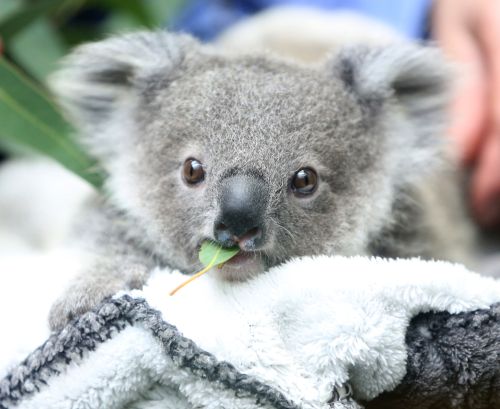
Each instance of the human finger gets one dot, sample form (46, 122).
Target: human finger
(469, 110)
(488, 28)
(486, 183)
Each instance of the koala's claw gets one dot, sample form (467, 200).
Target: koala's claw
(73, 304)
(60, 314)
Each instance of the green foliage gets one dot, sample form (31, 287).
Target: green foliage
(44, 45)
(20, 17)
(34, 35)
(30, 120)
(211, 254)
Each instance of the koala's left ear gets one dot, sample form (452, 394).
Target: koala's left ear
(417, 76)
(403, 79)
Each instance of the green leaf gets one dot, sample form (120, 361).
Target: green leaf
(163, 11)
(8, 8)
(21, 18)
(30, 119)
(133, 8)
(121, 22)
(146, 13)
(213, 254)
(38, 48)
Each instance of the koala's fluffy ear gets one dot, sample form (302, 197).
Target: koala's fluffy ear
(405, 83)
(97, 79)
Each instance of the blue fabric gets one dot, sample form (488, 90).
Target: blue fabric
(207, 18)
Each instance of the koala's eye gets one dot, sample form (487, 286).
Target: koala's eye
(193, 172)
(304, 182)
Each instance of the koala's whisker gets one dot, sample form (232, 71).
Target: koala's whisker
(280, 226)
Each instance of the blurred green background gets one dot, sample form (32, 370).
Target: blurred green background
(34, 35)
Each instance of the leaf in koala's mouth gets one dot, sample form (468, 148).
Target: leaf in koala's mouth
(210, 255)
(213, 254)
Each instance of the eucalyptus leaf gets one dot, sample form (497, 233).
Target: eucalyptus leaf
(38, 48)
(30, 119)
(135, 9)
(24, 16)
(163, 11)
(213, 254)
(8, 8)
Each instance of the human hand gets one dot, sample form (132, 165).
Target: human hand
(469, 33)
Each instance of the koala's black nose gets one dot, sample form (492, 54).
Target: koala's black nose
(243, 204)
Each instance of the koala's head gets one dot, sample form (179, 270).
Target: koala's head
(280, 159)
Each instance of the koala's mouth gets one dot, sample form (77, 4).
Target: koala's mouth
(243, 266)
(241, 258)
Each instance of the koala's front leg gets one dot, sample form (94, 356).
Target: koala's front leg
(104, 279)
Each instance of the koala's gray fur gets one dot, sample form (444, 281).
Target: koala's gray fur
(369, 121)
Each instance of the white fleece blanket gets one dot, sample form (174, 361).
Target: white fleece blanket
(351, 312)
(303, 329)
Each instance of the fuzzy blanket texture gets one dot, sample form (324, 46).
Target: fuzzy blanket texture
(315, 333)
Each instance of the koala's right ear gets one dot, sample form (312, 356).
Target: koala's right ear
(97, 79)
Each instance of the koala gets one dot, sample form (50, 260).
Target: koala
(281, 159)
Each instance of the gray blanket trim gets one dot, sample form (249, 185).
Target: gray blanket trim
(453, 362)
(453, 359)
(85, 333)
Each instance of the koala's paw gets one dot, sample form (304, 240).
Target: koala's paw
(74, 303)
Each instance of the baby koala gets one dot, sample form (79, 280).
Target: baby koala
(280, 159)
